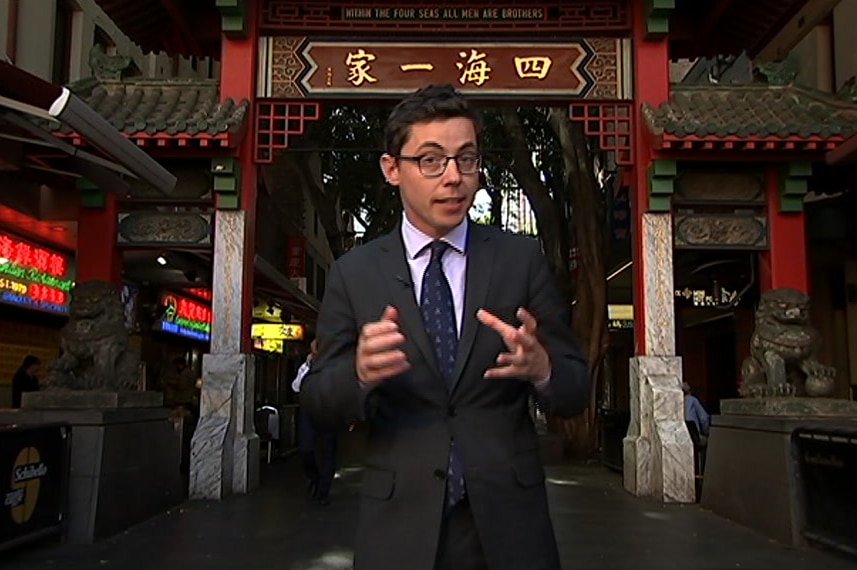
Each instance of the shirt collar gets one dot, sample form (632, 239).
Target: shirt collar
(416, 241)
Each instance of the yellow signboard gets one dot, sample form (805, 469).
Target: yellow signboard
(268, 344)
(271, 331)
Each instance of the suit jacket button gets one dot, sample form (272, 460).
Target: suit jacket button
(440, 474)
(451, 411)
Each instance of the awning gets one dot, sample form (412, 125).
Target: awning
(23, 94)
(270, 281)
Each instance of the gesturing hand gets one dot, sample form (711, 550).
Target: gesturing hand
(527, 359)
(378, 354)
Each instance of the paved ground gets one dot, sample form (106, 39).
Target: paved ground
(598, 525)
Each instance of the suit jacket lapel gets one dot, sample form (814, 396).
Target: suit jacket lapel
(480, 260)
(396, 272)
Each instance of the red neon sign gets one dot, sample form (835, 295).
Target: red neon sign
(200, 292)
(47, 294)
(193, 311)
(28, 255)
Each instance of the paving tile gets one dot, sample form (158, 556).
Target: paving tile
(598, 525)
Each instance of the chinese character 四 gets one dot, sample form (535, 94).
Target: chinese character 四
(532, 67)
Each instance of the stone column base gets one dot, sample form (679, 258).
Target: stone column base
(225, 448)
(658, 452)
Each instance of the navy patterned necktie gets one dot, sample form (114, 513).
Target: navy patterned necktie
(439, 320)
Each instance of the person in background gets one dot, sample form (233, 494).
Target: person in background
(695, 412)
(26, 379)
(180, 387)
(320, 474)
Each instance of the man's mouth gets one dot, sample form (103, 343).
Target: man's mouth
(450, 201)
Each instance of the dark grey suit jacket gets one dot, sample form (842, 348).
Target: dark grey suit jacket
(412, 417)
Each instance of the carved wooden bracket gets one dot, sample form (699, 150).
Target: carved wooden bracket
(793, 185)
(662, 174)
(91, 196)
(658, 14)
(233, 17)
(227, 182)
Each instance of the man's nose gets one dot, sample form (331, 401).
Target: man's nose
(452, 175)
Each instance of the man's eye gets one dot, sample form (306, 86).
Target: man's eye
(431, 159)
(468, 158)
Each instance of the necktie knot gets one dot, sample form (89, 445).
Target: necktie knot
(438, 248)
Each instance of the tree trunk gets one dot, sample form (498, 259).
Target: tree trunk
(306, 169)
(589, 318)
(550, 222)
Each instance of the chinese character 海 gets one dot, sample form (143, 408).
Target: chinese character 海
(358, 67)
(475, 69)
(532, 67)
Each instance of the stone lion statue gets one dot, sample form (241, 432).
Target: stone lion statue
(94, 342)
(783, 350)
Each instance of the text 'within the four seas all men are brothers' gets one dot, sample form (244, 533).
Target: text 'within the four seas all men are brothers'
(443, 13)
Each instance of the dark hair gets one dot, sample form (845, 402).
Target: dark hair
(30, 360)
(426, 104)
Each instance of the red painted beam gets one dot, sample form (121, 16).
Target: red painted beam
(785, 262)
(652, 86)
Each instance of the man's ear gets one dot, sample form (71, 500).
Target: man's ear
(390, 169)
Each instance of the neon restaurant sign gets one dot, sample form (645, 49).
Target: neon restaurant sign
(33, 277)
(185, 317)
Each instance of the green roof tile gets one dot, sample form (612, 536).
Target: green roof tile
(163, 106)
(751, 111)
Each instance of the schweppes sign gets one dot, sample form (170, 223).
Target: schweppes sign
(27, 473)
(33, 468)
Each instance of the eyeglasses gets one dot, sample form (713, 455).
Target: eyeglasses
(433, 164)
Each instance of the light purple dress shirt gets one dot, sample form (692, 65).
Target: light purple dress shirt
(454, 267)
(454, 261)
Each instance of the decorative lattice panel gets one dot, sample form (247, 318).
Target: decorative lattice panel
(444, 16)
(612, 123)
(276, 121)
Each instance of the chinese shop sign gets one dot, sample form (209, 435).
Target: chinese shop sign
(380, 67)
(585, 68)
(184, 317)
(296, 256)
(33, 277)
(277, 331)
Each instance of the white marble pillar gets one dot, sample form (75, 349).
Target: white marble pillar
(658, 452)
(225, 449)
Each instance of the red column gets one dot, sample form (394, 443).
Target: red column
(98, 256)
(784, 264)
(238, 80)
(651, 85)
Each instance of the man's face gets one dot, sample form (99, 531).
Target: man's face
(435, 205)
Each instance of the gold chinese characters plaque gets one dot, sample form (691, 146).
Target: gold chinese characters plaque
(300, 67)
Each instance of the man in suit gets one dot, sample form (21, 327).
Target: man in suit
(436, 336)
